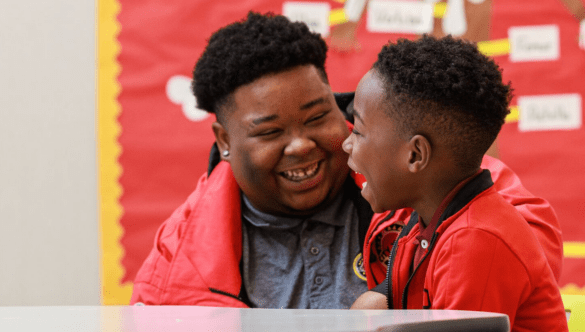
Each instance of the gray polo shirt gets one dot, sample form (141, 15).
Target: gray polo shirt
(310, 262)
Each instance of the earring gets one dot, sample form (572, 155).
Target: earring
(225, 153)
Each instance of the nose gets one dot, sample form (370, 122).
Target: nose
(347, 145)
(300, 145)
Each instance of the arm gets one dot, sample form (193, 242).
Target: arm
(370, 300)
(186, 264)
(485, 276)
(376, 298)
(343, 35)
(576, 7)
(150, 279)
(492, 276)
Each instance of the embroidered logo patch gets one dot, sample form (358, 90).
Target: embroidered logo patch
(358, 267)
(383, 242)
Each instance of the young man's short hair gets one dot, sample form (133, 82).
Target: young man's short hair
(244, 51)
(448, 87)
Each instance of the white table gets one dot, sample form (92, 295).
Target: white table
(194, 318)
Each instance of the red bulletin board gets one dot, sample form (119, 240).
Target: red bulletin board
(154, 144)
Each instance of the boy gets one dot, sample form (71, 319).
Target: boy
(424, 116)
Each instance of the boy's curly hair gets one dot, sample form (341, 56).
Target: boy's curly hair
(244, 51)
(447, 87)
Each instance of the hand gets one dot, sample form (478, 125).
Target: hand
(343, 37)
(370, 300)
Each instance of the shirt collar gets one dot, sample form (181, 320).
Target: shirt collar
(455, 200)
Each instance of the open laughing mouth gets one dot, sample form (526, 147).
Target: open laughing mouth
(365, 183)
(300, 174)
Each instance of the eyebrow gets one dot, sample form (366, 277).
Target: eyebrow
(265, 119)
(313, 103)
(303, 107)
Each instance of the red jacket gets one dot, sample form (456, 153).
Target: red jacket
(479, 260)
(197, 251)
(536, 211)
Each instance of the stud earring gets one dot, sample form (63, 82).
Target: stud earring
(225, 153)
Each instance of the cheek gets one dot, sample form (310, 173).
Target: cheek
(339, 157)
(337, 141)
(249, 170)
(256, 162)
(332, 137)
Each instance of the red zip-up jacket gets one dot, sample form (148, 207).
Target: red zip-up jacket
(483, 256)
(536, 211)
(197, 251)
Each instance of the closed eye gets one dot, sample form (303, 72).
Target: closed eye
(317, 117)
(268, 132)
(355, 132)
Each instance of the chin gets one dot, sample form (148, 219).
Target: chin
(377, 209)
(308, 205)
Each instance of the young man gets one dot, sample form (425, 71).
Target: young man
(278, 221)
(425, 114)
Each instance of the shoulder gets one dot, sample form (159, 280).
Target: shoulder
(537, 212)
(490, 225)
(203, 231)
(209, 207)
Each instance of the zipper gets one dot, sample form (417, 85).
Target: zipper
(405, 230)
(389, 298)
(405, 292)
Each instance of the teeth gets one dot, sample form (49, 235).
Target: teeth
(301, 173)
(364, 185)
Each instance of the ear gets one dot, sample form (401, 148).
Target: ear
(221, 138)
(419, 153)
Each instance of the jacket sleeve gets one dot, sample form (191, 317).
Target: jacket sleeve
(475, 270)
(150, 280)
(536, 211)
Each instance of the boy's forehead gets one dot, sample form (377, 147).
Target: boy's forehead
(370, 93)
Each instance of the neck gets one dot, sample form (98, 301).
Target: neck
(436, 198)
